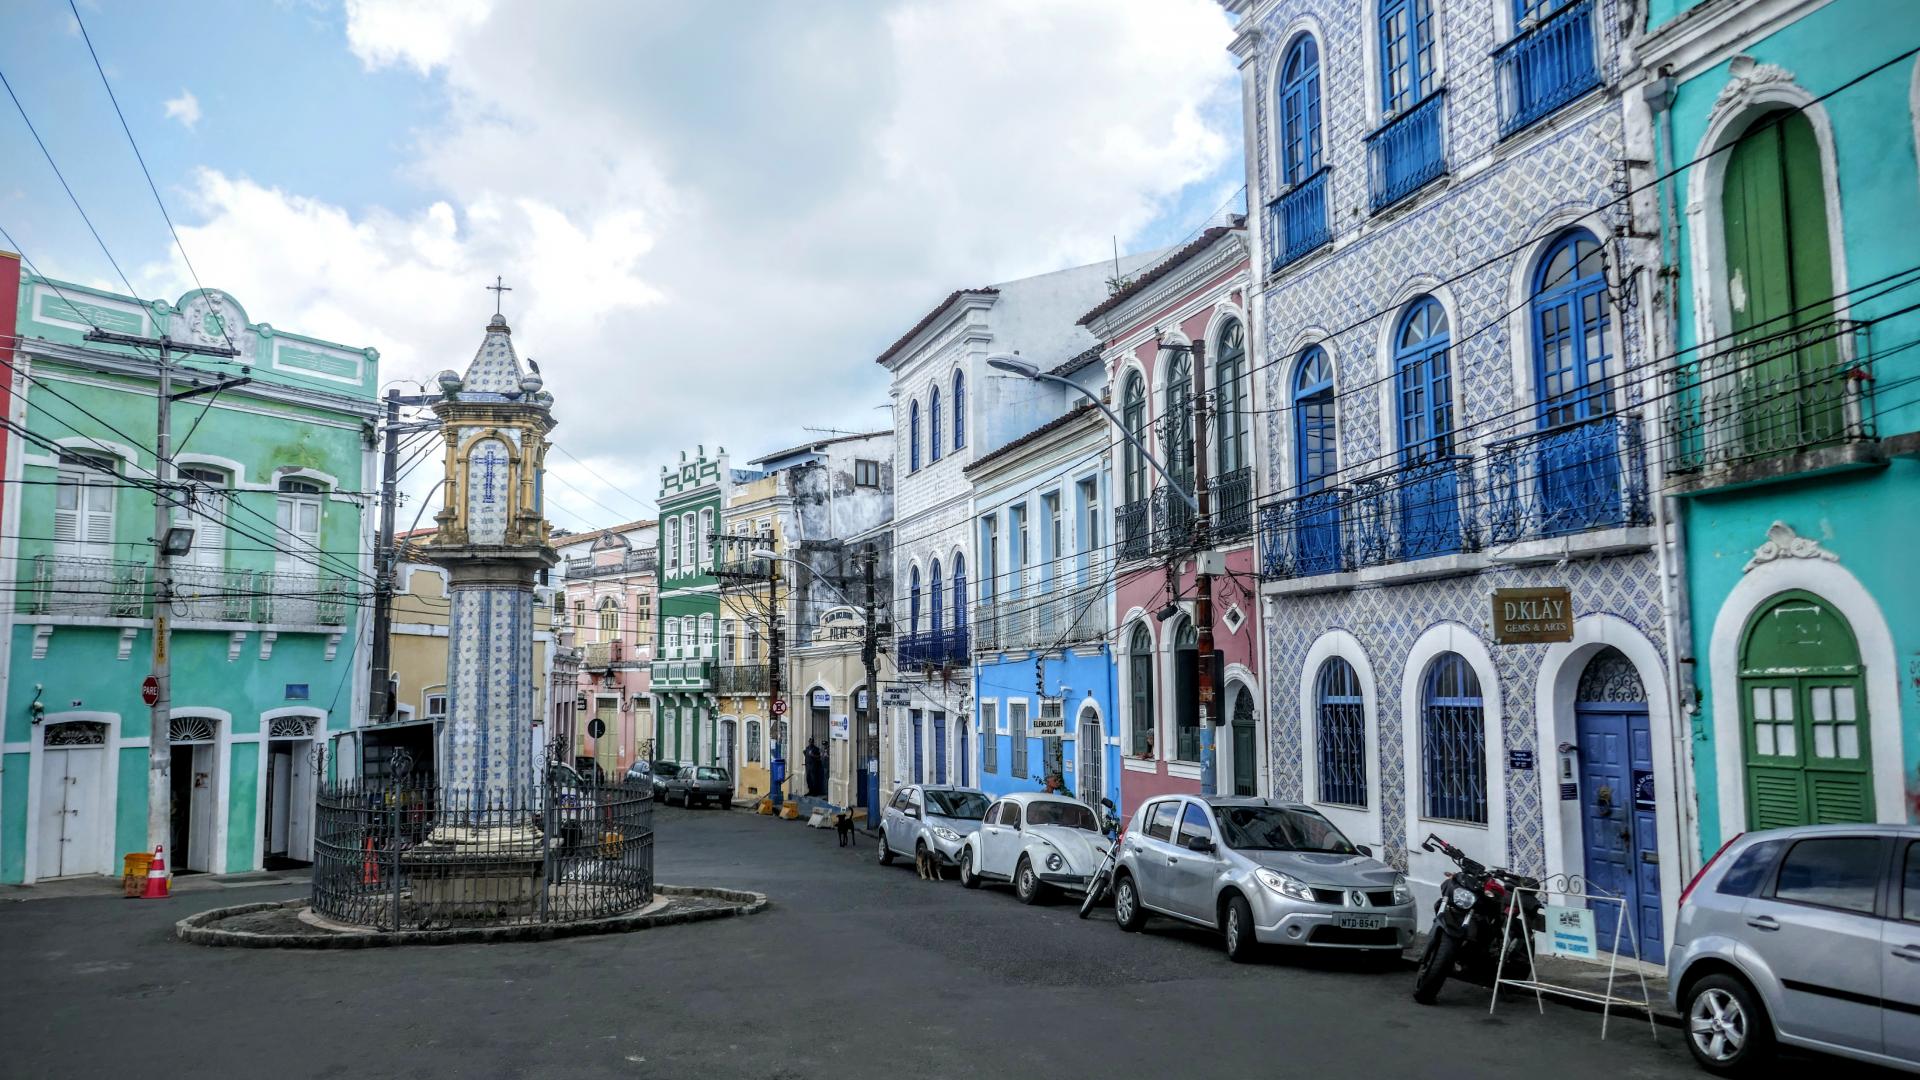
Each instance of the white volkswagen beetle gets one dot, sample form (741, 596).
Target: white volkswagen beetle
(1038, 842)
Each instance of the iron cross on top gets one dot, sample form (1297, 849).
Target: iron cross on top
(497, 289)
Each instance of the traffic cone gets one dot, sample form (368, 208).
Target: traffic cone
(156, 877)
(369, 867)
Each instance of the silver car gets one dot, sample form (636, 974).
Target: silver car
(1261, 873)
(1807, 936)
(700, 784)
(939, 819)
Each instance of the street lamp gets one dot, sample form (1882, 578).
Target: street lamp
(1014, 365)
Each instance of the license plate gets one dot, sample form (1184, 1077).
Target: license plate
(1363, 922)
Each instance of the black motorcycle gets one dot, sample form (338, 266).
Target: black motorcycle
(1102, 881)
(1470, 922)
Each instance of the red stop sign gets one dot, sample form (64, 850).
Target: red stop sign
(150, 690)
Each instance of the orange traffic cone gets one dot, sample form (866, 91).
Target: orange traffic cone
(369, 867)
(156, 878)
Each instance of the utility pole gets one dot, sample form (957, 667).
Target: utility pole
(870, 656)
(159, 750)
(379, 701)
(784, 717)
(1202, 578)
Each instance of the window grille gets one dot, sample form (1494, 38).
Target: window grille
(1454, 742)
(1342, 732)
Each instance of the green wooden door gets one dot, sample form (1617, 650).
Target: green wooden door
(1803, 717)
(1779, 282)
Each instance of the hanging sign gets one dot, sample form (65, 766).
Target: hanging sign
(1048, 727)
(1570, 932)
(841, 728)
(1528, 616)
(896, 695)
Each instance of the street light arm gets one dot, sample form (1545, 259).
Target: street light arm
(764, 553)
(1130, 437)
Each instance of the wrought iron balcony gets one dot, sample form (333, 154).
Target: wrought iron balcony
(1231, 504)
(1590, 475)
(75, 585)
(1054, 610)
(946, 647)
(740, 679)
(1546, 66)
(1406, 153)
(1298, 217)
(300, 599)
(634, 562)
(1797, 390)
(1302, 536)
(1134, 521)
(1173, 522)
(213, 594)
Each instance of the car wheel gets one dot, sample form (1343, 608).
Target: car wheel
(968, 879)
(1026, 883)
(886, 853)
(1727, 1027)
(1127, 912)
(1242, 946)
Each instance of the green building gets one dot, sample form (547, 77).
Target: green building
(269, 631)
(691, 496)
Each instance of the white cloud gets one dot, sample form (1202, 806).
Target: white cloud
(715, 216)
(185, 108)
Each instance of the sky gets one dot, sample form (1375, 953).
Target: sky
(713, 216)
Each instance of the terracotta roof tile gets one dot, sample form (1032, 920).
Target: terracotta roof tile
(1166, 266)
(927, 321)
(1052, 425)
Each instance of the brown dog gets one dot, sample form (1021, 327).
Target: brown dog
(927, 864)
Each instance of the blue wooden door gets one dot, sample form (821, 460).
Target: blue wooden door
(939, 748)
(1619, 828)
(918, 776)
(1579, 466)
(1428, 483)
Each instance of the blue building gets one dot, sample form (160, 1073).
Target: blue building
(1452, 405)
(1043, 668)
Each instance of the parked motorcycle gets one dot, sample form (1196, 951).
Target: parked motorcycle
(1471, 919)
(1102, 882)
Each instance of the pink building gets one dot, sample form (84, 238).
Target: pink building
(609, 593)
(1148, 327)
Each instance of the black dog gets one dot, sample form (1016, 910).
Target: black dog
(843, 828)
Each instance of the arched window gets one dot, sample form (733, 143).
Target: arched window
(913, 436)
(1134, 416)
(1300, 111)
(1315, 443)
(1177, 422)
(753, 741)
(960, 593)
(609, 616)
(1572, 334)
(1230, 395)
(913, 602)
(1427, 518)
(1340, 733)
(937, 595)
(1406, 53)
(1140, 691)
(1453, 742)
(933, 426)
(673, 544)
(959, 409)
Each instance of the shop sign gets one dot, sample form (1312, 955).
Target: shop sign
(1529, 616)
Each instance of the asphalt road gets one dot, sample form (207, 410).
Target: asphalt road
(856, 970)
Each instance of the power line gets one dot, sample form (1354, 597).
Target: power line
(68, 188)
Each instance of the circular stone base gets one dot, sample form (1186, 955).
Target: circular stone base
(291, 924)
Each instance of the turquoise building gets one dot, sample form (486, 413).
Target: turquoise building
(269, 634)
(1775, 160)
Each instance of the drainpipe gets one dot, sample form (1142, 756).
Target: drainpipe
(1669, 522)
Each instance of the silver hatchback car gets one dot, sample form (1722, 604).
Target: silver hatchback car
(1807, 936)
(1260, 872)
(938, 819)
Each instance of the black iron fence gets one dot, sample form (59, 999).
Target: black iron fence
(394, 855)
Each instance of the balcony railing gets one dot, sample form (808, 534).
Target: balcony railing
(635, 562)
(1546, 66)
(946, 647)
(301, 599)
(1231, 504)
(213, 594)
(1590, 475)
(681, 674)
(1299, 220)
(603, 654)
(1064, 608)
(72, 585)
(1173, 521)
(738, 569)
(1799, 389)
(740, 679)
(1134, 521)
(1405, 153)
(1416, 512)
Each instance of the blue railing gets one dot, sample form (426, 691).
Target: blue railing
(1299, 218)
(934, 648)
(1546, 66)
(1590, 475)
(1404, 154)
(1302, 537)
(1431, 508)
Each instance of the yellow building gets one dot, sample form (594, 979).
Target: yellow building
(752, 592)
(419, 667)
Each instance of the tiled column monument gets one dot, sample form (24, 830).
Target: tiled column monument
(492, 538)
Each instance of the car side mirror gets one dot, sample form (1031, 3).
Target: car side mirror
(912, 813)
(1200, 843)
(1364, 850)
